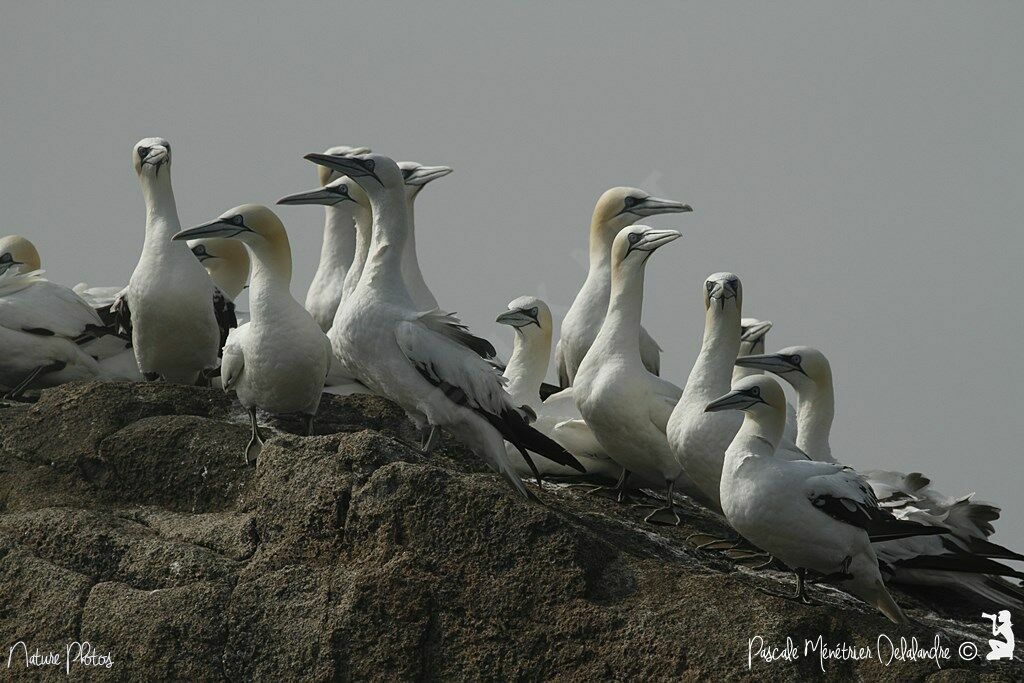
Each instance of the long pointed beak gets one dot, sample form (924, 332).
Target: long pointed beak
(754, 333)
(652, 206)
(655, 239)
(215, 228)
(320, 196)
(734, 400)
(772, 362)
(424, 174)
(353, 167)
(516, 319)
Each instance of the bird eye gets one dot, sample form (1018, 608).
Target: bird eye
(795, 360)
(369, 164)
(199, 250)
(630, 202)
(406, 173)
(340, 189)
(236, 219)
(143, 152)
(533, 312)
(756, 391)
(709, 285)
(6, 258)
(634, 237)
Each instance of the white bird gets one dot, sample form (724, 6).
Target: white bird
(168, 303)
(617, 208)
(752, 341)
(277, 361)
(813, 516)
(626, 406)
(963, 560)
(426, 362)
(42, 324)
(557, 415)
(342, 220)
(699, 438)
(416, 176)
(227, 263)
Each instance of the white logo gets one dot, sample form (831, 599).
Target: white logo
(1001, 626)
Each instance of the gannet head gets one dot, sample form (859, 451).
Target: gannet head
(801, 366)
(417, 176)
(342, 189)
(325, 174)
(756, 394)
(374, 172)
(257, 227)
(527, 315)
(226, 261)
(623, 206)
(635, 244)
(150, 155)
(18, 253)
(752, 334)
(723, 289)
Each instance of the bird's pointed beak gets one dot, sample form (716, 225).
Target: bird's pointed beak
(772, 362)
(755, 333)
(215, 228)
(320, 196)
(652, 206)
(655, 239)
(354, 167)
(734, 400)
(515, 319)
(424, 174)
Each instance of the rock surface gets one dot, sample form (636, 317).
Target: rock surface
(129, 520)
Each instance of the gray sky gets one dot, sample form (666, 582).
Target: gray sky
(859, 165)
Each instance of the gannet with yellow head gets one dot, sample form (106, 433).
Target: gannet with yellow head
(557, 415)
(626, 406)
(813, 516)
(617, 208)
(964, 560)
(425, 361)
(42, 324)
(168, 304)
(278, 361)
(227, 262)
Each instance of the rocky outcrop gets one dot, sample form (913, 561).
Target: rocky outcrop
(128, 519)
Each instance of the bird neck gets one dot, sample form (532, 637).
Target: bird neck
(528, 365)
(712, 372)
(759, 435)
(161, 213)
(383, 270)
(364, 235)
(625, 308)
(814, 414)
(410, 261)
(601, 240)
(271, 270)
(739, 372)
(339, 243)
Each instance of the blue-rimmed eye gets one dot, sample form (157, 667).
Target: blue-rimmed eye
(756, 391)
(630, 202)
(634, 237)
(533, 312)
(795, 359)
(236, 219)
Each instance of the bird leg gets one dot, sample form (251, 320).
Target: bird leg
(712, 542)
(429, 439)
(801, 590)
(24, 384)
(665, 516)
(252, 451)
(616, 493)
(307, 423)
(842, 575)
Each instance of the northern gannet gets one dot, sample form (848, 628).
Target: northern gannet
(752, 340)
(227, 262)
(626, 406)
(42, 324)
(168, 303)
(277, 361)
(699, 438)
(963, 560)
(813, 516)
(339, 192)
(557, 416)
(341, 220)
(416, 176)
(426, 362)
(617, 208)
